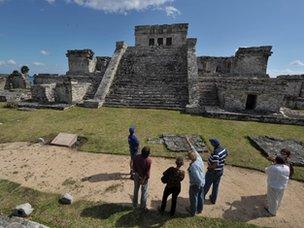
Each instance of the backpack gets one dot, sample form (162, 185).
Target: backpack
(165, 178)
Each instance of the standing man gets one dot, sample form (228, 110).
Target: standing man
(141, 168)
(133, 145)
(215, 171)
(197, 181)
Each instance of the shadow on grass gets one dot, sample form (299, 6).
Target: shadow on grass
(246, 209)
(129, 217)
(104, 211)
(106, 177)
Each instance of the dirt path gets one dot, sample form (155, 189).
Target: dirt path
(60, 170)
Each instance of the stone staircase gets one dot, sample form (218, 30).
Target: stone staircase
(208, 93)
(150, 77)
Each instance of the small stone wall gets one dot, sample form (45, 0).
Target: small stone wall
(233, 94)
(2, 83)
(177, 33)
(43, 93)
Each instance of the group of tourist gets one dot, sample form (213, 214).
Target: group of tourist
(200, 182)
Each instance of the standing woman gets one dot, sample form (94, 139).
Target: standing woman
(134, 146)
(173, 177)
(277, 179)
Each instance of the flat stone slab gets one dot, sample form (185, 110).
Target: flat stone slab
(65, 139)
(15, 222)
(36, 105)
(272, 146)
(178, 143)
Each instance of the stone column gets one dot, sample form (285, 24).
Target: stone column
(192, 70)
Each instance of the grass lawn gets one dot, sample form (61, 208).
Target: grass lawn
(87, 214)
(107, 129)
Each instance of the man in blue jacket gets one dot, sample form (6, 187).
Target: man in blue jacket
(134, 147)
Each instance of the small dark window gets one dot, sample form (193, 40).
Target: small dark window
(169, 41)
(218, 69)
(160, 41)
(251, 102)
(151, 42)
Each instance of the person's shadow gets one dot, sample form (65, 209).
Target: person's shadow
(246, 209)
(106, 177)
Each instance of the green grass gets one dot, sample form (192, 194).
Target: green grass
(107, 129)
(48, 211)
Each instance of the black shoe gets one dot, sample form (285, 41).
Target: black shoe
(189, 211)
(211, 201)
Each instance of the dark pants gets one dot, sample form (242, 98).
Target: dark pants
(196, 199)
(168, 191)
(212, 178)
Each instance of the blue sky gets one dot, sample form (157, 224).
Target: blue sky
(38, 32)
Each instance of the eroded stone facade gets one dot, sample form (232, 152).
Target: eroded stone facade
(162, 70)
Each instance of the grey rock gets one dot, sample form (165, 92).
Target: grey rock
(66, 199)
(23, 210)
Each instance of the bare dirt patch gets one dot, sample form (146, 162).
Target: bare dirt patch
(102, 177)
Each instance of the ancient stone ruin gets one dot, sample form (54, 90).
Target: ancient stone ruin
(272, 147)
(178, 143)
(162, 70)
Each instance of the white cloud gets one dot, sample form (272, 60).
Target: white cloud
(297, 63)
(120, 6)
(7, 62)
(11, 62)
(172, 11)
(44, 52)
(38, 64)
(50, 1)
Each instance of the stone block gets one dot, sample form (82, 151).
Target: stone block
(272, 146)
(92, 103)
(65, 139)
(66, 199)
(23, 210)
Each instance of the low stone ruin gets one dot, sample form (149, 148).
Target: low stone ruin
(272, 146)
(178, 143)
(11, 222)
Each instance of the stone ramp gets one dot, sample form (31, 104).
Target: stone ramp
(106, 82)
(151, 77)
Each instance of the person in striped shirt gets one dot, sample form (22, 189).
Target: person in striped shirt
(216, 162)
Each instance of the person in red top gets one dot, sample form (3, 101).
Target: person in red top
(141, 168)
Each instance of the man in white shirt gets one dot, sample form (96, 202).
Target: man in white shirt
(278, 175)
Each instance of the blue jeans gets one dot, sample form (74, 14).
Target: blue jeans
(196, 199)
(144, 192)
(212, 178)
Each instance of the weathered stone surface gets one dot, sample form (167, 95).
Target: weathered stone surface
(23, 210)
(16, 222)
(36, 105)
(65, 139)
(66, 199)
(178, 143)
(272, 146)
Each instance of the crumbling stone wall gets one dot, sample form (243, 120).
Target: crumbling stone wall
(81, 61)
(43, 93)
(102, 63)
(214, 66)
(247, 62)
(251, 61)
(234, 93)
(2, 82)
(177, 33)
(294, 92)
